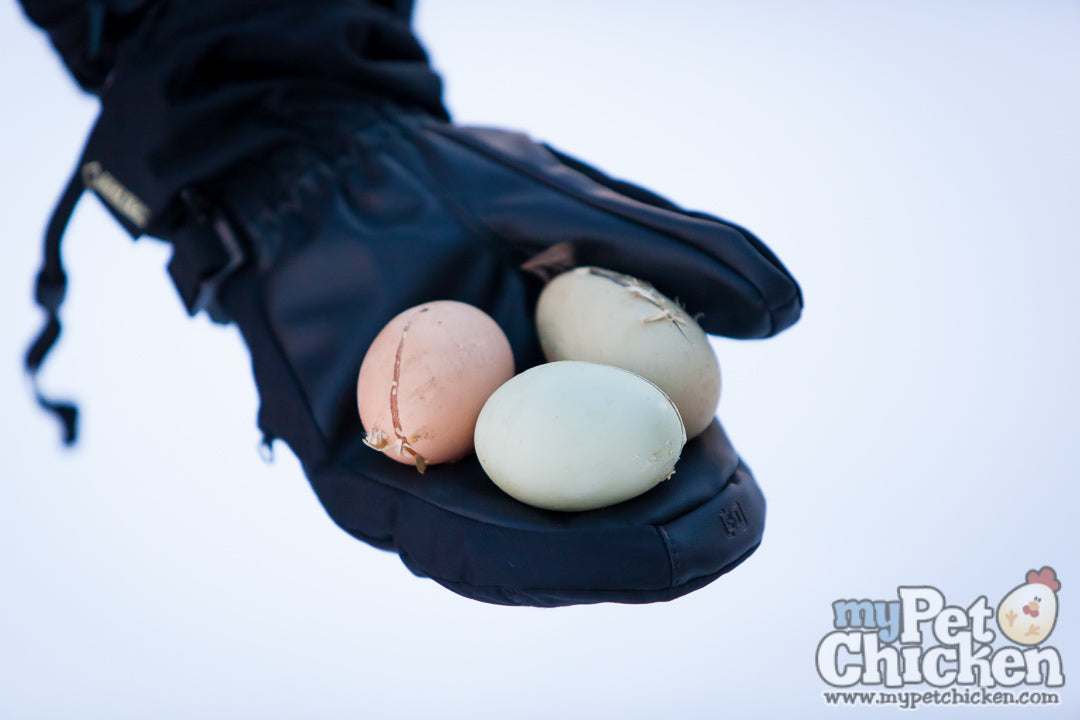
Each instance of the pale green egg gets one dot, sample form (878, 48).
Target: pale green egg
(578, 436)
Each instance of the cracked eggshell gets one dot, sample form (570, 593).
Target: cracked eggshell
(578, 436)
(425, 378)
(601, 316)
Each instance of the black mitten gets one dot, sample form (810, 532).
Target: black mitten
(363, 206)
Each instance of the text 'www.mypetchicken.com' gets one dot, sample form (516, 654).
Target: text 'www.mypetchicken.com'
(910, 700)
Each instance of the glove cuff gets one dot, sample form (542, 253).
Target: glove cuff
(197, 89)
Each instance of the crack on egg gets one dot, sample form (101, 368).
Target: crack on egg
(402, 445)
(667, 311)
(376, 439)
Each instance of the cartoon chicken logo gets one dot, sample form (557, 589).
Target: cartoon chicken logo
(1028, 613)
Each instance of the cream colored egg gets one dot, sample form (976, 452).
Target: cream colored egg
(426, 376)
(578, 436)
(601, 316)
(1028, 613)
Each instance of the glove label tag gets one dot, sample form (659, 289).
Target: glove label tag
(115, 194)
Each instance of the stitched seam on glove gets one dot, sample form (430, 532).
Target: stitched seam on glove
(673, 555)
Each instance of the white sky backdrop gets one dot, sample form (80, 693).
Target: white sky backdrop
(915, 165)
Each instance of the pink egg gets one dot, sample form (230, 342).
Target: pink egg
(425, 379)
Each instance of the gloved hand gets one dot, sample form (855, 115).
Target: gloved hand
(314, 244)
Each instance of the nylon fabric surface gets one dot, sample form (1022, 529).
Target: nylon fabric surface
(343, 242)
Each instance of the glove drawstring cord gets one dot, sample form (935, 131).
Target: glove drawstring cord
(49, 293)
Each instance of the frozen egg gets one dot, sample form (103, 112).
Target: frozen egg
(603, 317)
(578, 436)
(426, 376)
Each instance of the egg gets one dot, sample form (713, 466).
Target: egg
(600, 316)
(1026, 615)
(575, 435)
(425, 378)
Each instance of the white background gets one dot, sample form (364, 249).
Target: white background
(915, 165)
